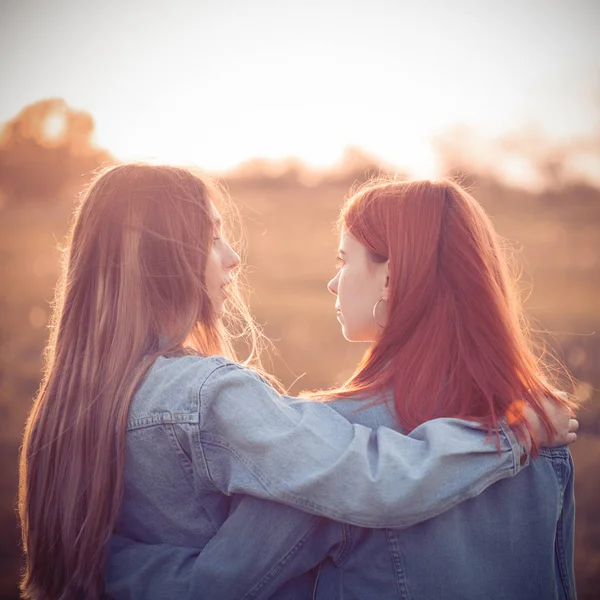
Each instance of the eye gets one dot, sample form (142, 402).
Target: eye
(339, 262)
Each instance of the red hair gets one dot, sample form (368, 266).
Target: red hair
(454, 344)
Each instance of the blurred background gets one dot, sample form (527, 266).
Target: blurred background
(289, 106)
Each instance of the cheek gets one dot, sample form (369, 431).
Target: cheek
(358, 296)
(354, 299)
(356, 290)
(212, 269)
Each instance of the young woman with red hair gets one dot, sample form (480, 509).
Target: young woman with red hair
(422, 276)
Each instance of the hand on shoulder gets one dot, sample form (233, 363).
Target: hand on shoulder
(562, 418)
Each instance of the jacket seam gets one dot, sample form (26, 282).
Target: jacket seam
(186, 462)
(276, 570)
(347, 544)
(515, 446)
(559, 549)
(204, 381)
(164, 417)
(397, 566)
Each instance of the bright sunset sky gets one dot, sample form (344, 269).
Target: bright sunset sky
(216, 82)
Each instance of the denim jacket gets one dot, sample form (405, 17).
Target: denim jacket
(515, 540)
(209, 442)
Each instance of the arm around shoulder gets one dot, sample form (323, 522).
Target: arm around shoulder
(308, 456)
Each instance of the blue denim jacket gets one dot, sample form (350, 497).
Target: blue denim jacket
(205, 434)
(515, 540)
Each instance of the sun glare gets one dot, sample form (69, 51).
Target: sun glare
(54, 126)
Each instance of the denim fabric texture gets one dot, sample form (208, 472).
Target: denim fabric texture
(218, 463)
(513, 541)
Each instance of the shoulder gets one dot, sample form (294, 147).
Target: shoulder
(228, 382)
(372, 411)
(171, 388)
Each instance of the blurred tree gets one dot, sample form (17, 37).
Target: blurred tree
(45, 150)
(357, 166)
(285, 172)
(525, 157)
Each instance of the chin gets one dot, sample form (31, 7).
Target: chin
(357, 336)
(349, 335)
(218, 308)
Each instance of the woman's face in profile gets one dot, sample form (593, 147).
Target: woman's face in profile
(221, 262)
(359, 284)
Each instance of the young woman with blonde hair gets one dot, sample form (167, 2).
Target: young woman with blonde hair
(422, 276)
(145, 424)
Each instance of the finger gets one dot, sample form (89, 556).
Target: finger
(573, 425)
(570, 438)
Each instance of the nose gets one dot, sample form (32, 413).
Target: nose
(332, 286)
(231, 259)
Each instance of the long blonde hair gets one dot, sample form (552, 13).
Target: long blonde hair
(132, 289)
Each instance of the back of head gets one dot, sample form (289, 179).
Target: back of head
(137, 256)
(132, 289)
(454, 344)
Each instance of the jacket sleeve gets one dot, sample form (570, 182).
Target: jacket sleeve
(305, 455)
(262, 550)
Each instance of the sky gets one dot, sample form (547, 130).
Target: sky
(217, 82)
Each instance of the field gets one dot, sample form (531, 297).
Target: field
(290, 254)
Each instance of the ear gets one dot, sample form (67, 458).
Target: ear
(385, 274)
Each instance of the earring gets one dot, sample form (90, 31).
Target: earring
(374, 312)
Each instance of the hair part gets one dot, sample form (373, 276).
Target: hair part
(132, 289)
(456, 342)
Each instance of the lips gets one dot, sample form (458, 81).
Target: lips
(225, 286)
